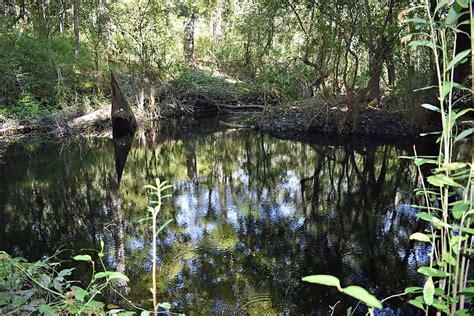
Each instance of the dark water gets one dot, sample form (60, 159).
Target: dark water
(252, 215)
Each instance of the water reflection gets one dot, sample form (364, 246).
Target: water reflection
(252, 215)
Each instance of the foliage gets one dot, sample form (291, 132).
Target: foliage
(357, 292)
(285, 50)
(193, 85)
(448, 190)
(40, 74)
(43, 287)
(158, 192)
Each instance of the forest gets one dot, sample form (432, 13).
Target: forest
(253, 157)
(307, 61)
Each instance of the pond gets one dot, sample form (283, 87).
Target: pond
(252, 214)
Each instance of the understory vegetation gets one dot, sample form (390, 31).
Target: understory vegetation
(56, 55)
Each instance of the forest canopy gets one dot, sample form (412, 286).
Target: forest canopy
(57, 54)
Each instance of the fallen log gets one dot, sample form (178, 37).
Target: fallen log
(239, 106)
(231, 125)
(123, 119)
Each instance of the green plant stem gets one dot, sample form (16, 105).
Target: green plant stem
(34, 280)
(93, 296)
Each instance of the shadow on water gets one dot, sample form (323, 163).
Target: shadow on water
(252, 215)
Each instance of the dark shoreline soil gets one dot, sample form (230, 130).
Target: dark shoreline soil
(304, 120)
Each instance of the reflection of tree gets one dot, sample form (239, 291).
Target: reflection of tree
(122, 147)
(261, 214)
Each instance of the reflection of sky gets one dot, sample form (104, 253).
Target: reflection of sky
(192, 204)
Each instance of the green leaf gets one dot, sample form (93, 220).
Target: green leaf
(459, 58)
(101, 275)
(362, 295)
(65, 272)
(413, 289)
(447, 257)
(432, 272)
(111, 275)
(151, 187)
(469, 290)
(463, 3)
(163, 226)
(441, 307)
(459, 208)
(416, 304)
(441, 180)
(420, 237)
(446, 89)
(428, 291)
(323, 279)
(415, 44)
(425, 88)
(47, 310)
(462, 312)
(79, 293)
(431, 107)
(425, 216)
(464, 134)
(118, 275)
(453, 14)
(165, 305)
(422, 161)
(145, 313)
(451, 166)
(82, 258)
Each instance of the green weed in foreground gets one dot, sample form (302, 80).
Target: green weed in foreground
(43, 287)
(448, 192)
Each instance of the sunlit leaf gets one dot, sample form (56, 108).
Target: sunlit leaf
(323, 279)
(420, 237)
(448, 258)
(165, 305)
(459, 58)
(82, 258)
(464, 134)
(440, 180)
(459, 208)
(362, 295)
(163, 226)
(432, 272)
(413, 289)
(79, 293)
(428, 291)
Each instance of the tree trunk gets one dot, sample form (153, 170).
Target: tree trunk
(375, 72)
(123, 119)
(463, 42)
(75, 18)
(62, 10)
(189, 40)
(390, 68)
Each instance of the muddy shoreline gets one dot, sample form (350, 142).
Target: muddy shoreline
(290, 122)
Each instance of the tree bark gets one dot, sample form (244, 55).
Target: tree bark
(123, 119)
(62, 10)
(189, 40)
(463, 42)
(75, 18)
(375, 71)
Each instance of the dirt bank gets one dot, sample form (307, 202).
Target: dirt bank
(312, 116)
(307, 117)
